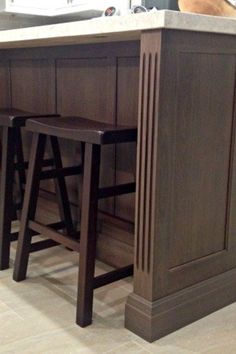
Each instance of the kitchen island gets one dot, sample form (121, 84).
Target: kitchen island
(174, 75)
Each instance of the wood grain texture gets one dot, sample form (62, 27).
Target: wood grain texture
(185, 224)
(33, 85)
(4, 84)
(183, 216)
(127, 114)
(86, 88)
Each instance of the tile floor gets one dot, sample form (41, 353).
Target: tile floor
(37, 316)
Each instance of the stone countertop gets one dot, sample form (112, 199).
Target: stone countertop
(103, 29)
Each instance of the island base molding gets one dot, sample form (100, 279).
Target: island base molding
(153, 320)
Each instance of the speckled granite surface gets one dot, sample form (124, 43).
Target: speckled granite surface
(114, 28)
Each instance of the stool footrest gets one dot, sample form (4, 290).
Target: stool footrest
(116, 190)
(112, 276)
(61, 172)
(56, 226)
(46, 163)
(54, 235)
(14, 236)
(42, 245)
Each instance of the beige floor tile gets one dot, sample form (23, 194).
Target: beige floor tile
(3, 308)
(37, 316)
(130, 347)
(13, 327)
(97, 339)
(6, 273)
(227, 348)
(156, 348)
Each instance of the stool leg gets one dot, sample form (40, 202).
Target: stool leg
(88, 234)
(6, 195)
(61, 190)
(29, 206)
(20, 164)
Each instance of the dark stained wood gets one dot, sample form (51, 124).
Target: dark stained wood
(127, 114)
(83, 130)
(185, 206)
(86, 88)
(156, 319)
(60, 187)
(93, 134)
(29, 206)
(4, 84)
(88, 234)
(11, 121)
(69, 242)
(200, 128)
(200, 180)
(113, 275)
(61, 78)
(36, 92)
(6, 200)
(20, 163)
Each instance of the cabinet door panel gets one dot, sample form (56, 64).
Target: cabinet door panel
(198, 168)
(189, 98)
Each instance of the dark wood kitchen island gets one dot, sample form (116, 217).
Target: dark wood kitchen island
(176, 75)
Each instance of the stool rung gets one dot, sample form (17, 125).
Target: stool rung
(14, 236)
(56, 236)
(112, 276)
(61, 172)
(46, 163)
(116, 190)
(56, 226)
(42, 245)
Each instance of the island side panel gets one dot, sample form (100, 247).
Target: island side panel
(185, 239)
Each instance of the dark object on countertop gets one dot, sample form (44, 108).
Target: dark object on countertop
(161, 4)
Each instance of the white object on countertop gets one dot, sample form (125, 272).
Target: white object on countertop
(232, 2)
(51, 8)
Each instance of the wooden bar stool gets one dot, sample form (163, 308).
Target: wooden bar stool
(12, 120)
(93, 135)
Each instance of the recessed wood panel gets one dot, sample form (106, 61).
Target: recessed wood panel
(4, 84)
(33, 85)
(127, 114)
(186, 163)
(33, 90)
(202, 141)
(86, 88)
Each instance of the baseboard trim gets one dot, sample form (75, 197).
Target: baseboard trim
(153, 320)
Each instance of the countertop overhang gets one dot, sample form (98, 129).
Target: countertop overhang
(118, 28)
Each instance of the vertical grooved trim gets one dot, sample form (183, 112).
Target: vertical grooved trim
(139, 164)
(146, 156)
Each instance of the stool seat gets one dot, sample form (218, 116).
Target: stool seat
(12, 117)
(82, 129)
